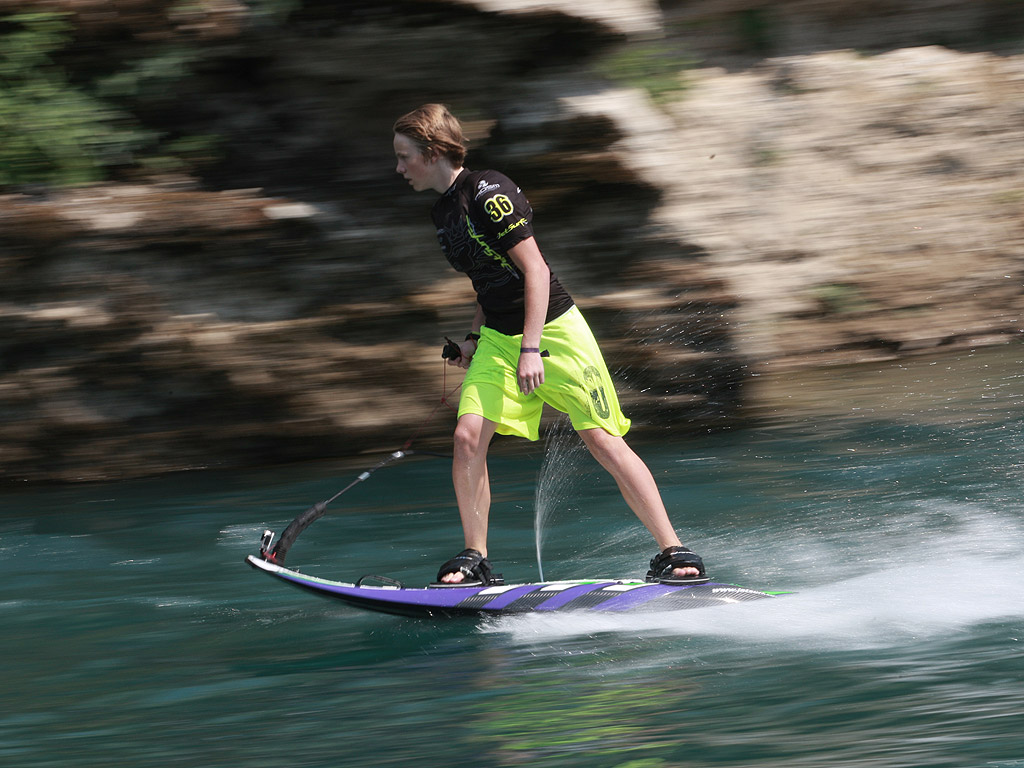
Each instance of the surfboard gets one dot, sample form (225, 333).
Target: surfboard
(593, 595)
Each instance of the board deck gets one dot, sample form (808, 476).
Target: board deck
(600, 595)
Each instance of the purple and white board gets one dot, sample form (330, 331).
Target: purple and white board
(601, 595)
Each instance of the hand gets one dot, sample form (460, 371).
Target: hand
(530, 373)
(468, 349)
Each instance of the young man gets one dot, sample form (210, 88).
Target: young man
(528, 345)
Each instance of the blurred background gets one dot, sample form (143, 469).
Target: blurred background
(207, 260)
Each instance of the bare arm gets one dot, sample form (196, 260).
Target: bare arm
(468, 347)
(527, 256)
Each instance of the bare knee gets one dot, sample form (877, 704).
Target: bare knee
(466, 440)
(471, 437)
(608, 449)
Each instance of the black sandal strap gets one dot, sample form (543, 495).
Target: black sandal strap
(473, 566)
(667, 561)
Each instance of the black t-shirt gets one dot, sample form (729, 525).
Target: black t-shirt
(478, 219)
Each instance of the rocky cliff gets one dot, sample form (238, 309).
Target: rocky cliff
(727, 187)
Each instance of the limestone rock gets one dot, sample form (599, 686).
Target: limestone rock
(781, 202)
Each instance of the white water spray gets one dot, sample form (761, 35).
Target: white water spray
(563, 451)
(923, 584)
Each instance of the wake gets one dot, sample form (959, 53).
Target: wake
(927, 580)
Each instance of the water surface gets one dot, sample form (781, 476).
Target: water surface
(887, 497)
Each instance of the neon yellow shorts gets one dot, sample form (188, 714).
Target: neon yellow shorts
(576, 381)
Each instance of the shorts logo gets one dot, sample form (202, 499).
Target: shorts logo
(592, 381)
(498, 207)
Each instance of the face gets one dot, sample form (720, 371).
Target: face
(414, 167)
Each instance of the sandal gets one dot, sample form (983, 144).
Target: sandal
(473, 566)
(665, 562)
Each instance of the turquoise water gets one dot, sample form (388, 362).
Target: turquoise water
(888, 498)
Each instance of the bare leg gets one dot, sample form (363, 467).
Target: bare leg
(472, 484)
(637, 487)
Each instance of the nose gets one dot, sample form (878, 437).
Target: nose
(400, 168)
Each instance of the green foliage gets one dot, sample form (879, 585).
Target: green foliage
(149, 77)
(57, 130)
(183, 154)
(656, 67)
(1008, 197)
(275, 10)
(762, 155)
(756, 30)
(840, 298)
(51, 131)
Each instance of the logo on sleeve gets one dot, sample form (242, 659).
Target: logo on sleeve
(483, 188)
(512, 226)
(498, 207)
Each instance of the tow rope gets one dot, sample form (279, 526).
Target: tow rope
(277, 554)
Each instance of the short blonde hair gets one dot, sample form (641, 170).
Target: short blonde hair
(433, 127)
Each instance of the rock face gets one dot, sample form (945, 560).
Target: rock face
(858, 203)
(774, 204)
